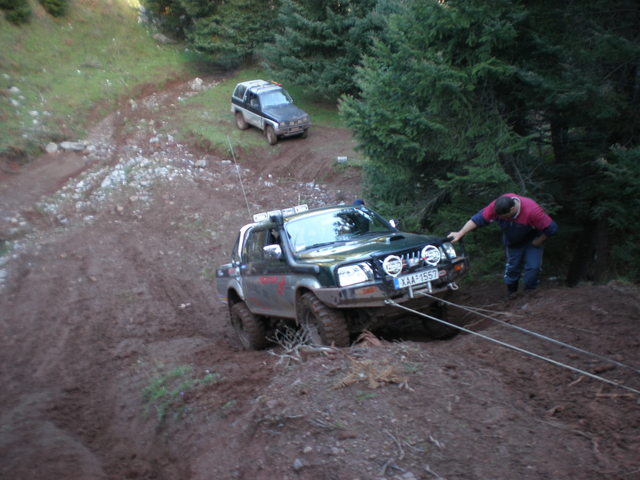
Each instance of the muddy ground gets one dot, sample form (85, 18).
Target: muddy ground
(117, 360)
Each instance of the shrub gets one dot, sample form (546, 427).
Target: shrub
(57, 8)
(16, 11)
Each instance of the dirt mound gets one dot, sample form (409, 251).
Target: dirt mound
(117, 360)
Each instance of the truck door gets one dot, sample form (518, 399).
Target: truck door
(252, 112)
(267, 286)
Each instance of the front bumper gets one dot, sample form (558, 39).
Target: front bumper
(374, 295)
(290, 130)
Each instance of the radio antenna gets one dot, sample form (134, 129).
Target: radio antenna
(233, 155)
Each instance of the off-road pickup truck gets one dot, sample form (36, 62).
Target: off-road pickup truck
(268, 107)
(330, 271)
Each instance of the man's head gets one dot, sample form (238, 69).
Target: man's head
(505, 207)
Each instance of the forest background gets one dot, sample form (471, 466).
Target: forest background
(455, 102)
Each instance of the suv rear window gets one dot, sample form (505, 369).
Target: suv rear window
(239, 92)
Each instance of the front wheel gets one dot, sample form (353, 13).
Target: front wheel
(324, 325)
(270, 133)
(248, 327)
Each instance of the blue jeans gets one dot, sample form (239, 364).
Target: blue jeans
(526, 257)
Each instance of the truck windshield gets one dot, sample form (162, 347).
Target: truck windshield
(334, 226)
(275, 98)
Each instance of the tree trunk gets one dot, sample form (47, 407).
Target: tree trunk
(591, 257)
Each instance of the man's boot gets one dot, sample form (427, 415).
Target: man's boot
(512, 289)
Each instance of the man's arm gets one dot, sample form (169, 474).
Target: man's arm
(457, 236)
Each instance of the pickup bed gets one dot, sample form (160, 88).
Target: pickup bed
(330, 271)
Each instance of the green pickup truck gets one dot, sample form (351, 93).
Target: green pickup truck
(332, 271)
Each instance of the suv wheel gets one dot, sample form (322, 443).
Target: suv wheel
(240, 121)
(438, 330)
(325, 326)
(270, 133)
(248, 327)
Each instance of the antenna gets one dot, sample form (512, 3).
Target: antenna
(233, 155)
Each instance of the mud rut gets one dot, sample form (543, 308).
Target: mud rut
(108, 289)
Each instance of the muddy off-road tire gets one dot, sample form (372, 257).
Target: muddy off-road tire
(270, 133)
(248, 327)
(438, 330)
(240, 122)
(326, 326)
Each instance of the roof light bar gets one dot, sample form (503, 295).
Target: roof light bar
(285, 212)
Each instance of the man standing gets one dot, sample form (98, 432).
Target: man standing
(525, 226)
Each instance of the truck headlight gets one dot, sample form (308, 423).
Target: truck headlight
(449, 250)
(353, 274)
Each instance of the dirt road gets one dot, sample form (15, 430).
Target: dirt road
(117, 360)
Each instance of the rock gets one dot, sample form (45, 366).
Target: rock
(14, 90)
(74, 146)
(161, 38)
(51, 147)
(201, 163)
(197, 85)
(298, 464)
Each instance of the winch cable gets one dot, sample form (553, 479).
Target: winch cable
(530, 332)
(517, 349)
(233, 155)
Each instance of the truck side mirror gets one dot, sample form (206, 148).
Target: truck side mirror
(272, 252)
(394, 223)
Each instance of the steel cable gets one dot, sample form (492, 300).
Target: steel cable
(518, 349)
(535, 334)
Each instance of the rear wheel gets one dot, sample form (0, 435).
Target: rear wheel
(270, 133)
(240, 121)
(248, 327)
(324, 325)
(435, 329)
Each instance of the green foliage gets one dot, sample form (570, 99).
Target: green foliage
(168, 393)
(235, 31)
(619, 190)
(57, 8)
(427, 116)
(319, 44)
(16, 11)
(169, 16)
(228, 32)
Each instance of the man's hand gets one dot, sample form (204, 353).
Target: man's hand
(455, 236)
(536, 242)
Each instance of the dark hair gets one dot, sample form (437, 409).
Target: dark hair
(503, 205)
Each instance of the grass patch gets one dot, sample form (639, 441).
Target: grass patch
(168, 392)
(206, 118)
(65, 67)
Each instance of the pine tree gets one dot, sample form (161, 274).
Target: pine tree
(320, 43)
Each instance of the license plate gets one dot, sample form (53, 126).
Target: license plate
(416, 278)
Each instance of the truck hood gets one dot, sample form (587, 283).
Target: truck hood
(285, 113)
(364, 247)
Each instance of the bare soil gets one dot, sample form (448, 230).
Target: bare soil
(117, 359)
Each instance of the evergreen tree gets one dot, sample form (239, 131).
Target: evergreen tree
(233, 31)
(320, 43)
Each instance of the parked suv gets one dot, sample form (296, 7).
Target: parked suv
(268, 106)
(332, 271)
